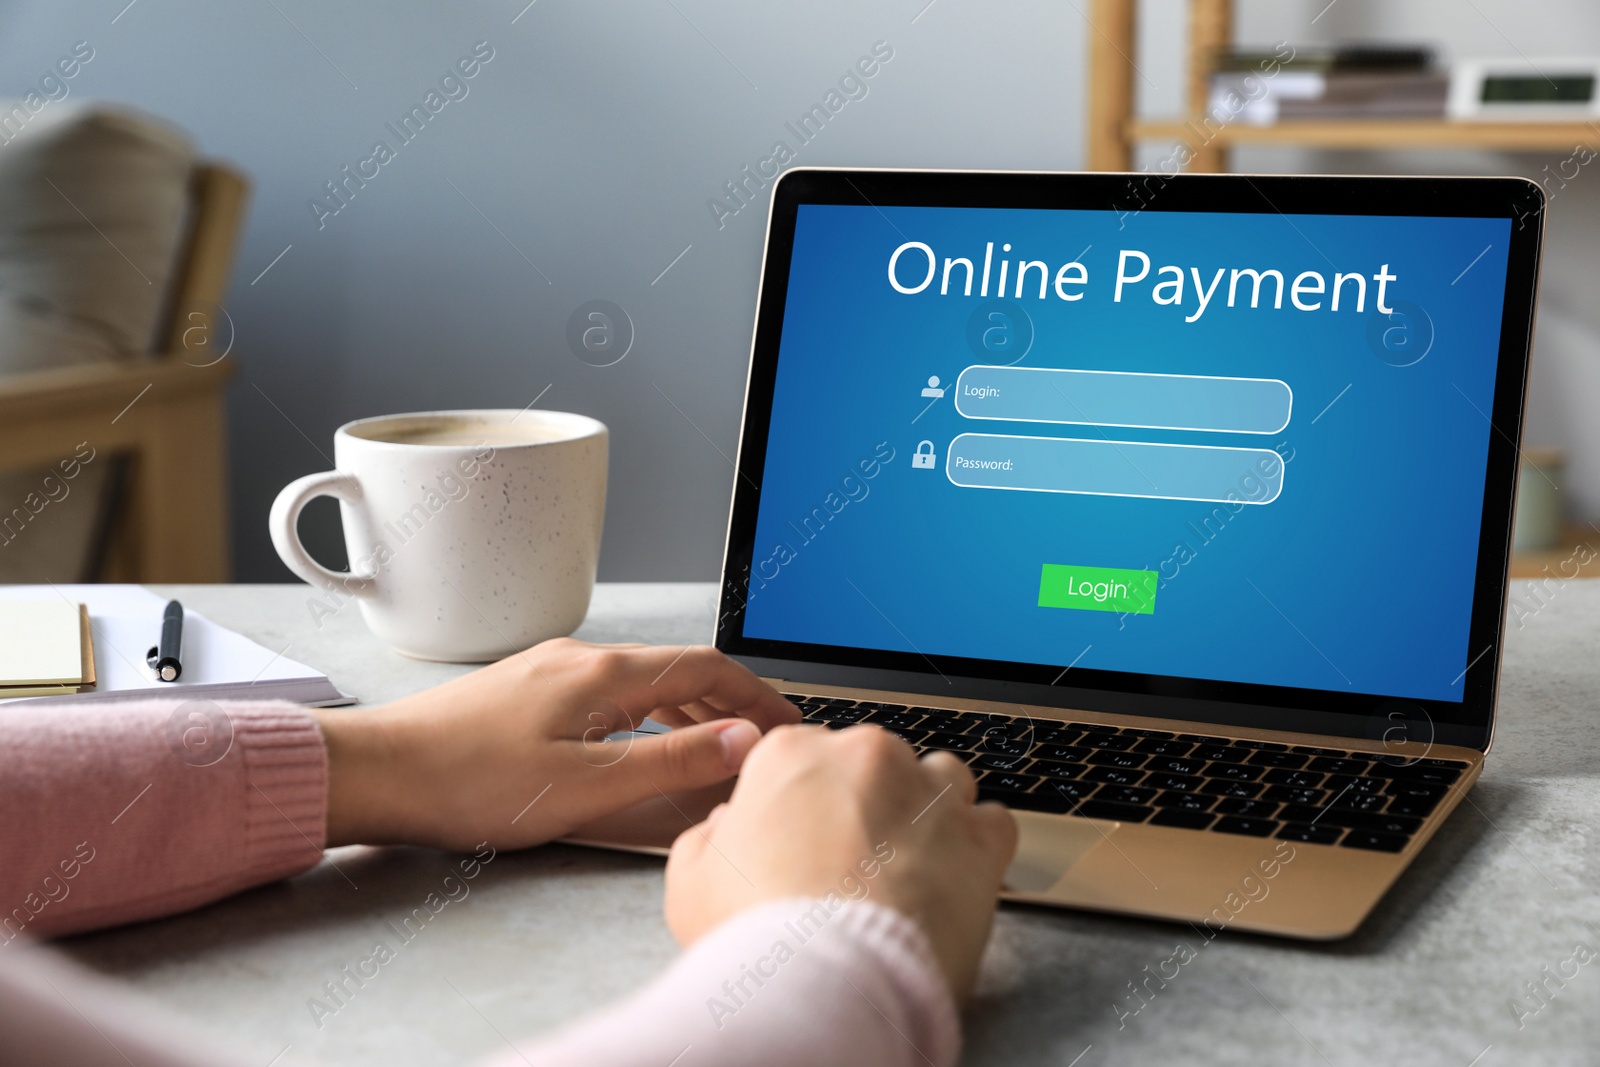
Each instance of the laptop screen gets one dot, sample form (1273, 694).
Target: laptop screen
(1237, 447)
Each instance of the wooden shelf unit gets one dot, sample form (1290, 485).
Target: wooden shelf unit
(1392, 133)
(1115, 131)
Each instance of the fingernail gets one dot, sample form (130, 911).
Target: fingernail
(738, 738)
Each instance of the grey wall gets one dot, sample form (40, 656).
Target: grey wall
(590, 144)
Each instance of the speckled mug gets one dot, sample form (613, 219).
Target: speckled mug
(471, 534)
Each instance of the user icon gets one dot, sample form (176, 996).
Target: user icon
(933, 389)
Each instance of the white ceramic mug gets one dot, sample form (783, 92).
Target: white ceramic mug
(471, 534)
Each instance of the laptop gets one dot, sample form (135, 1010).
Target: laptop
(1179, 507)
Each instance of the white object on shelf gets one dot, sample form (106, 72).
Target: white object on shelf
(1518, 90)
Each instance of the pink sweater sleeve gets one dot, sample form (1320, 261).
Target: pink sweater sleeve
(791, 983)
(120, 812)
(783, 985)
(123, 812)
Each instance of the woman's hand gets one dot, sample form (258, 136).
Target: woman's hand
(515, 753)
(851, 812)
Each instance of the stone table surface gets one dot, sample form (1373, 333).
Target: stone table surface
(1439, 974)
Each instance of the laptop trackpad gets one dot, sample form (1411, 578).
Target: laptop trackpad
(1048, 846)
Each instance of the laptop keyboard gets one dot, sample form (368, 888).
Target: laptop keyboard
(1322, 796)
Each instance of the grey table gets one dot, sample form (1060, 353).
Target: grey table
(1505, 891)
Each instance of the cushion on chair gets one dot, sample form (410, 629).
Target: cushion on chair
(93, 201)
(93, 213)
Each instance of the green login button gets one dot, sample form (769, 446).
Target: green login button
(1098, 589)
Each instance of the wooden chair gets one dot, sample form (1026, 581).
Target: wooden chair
(165, 415)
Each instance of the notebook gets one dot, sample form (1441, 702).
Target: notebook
(217, 662)
(45, 648)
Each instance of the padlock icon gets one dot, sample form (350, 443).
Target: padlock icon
(923, 457)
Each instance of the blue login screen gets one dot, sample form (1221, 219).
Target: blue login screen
(1245, 448)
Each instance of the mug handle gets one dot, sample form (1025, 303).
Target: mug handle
(282, 525)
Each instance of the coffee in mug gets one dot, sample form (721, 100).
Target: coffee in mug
(471, 534)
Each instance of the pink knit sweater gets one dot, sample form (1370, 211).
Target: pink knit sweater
(115, 813)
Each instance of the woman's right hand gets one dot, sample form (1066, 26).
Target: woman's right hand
(852, 812)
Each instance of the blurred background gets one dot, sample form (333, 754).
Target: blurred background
(585, 162)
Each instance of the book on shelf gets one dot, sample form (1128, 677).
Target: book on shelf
(1301, 95)
(1390, 58)
(1352, 81)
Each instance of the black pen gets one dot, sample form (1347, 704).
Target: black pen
(163, 659)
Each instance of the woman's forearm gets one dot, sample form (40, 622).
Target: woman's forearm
(790, 983)
(116, 812)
